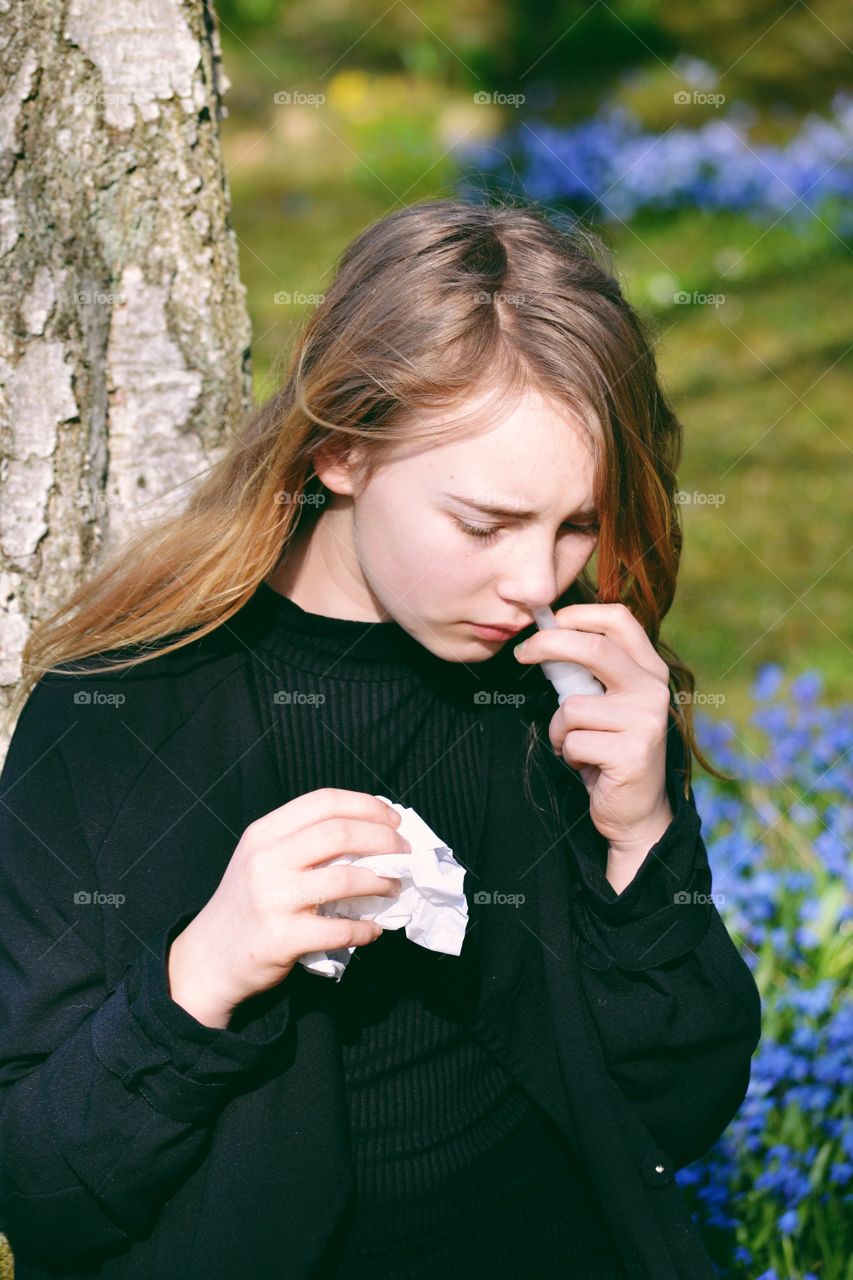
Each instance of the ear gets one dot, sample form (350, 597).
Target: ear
(344, 475)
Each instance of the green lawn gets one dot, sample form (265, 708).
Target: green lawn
(760, 381)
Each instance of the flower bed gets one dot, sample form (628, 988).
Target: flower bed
(773, 1196)
(610, 168)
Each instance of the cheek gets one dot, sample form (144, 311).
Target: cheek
(438, 565)
(393, 539)
(419, 552)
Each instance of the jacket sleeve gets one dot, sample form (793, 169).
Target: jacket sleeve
(107, 1094)
(676, 1008)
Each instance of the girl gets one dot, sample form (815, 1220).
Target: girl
(470, 416)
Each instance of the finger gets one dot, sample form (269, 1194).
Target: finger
(322, 841)
(618, 622)
(329, 884)
(640, 714)
(579, 711)
(598, 653)
(322, 804)
(328, 933)
(581, 747)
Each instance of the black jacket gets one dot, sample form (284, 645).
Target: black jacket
(136, 1142)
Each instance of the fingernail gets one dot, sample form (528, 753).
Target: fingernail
(519, 649)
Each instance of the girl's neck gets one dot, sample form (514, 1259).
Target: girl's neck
(320, 572)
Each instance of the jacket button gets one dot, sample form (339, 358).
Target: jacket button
(656, 1168)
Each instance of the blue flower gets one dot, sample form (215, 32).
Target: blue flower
(813, 1001)
(806, 688)
(788, 1222)
(608, 166)
(832, 851)
(789, 1146)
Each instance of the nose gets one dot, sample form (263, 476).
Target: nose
(530, 580)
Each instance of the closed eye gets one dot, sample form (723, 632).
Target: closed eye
(488, 532)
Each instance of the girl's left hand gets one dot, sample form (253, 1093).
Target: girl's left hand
(617, 741)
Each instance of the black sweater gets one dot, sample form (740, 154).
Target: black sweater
(444, 1142)
(137, 1142)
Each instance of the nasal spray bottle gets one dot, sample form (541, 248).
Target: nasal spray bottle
(567, 677)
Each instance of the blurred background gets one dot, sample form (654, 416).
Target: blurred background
(710, 145)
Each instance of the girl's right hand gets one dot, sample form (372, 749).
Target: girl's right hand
(262, 917)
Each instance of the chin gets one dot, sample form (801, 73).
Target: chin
(475, 650)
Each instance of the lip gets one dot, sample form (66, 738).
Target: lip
(504, 633)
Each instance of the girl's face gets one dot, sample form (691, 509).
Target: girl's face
(407, 547)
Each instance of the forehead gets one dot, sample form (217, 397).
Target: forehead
(534, 453)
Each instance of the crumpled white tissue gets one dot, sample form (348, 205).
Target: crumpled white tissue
(431, 905)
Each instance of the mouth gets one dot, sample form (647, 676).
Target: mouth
(496, 632)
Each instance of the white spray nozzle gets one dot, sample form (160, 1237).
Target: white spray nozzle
(568, 678)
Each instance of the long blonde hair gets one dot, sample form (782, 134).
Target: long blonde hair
(428, 304)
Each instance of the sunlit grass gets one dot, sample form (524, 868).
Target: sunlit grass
(304, 184)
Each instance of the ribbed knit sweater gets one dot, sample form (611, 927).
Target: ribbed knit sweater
(456, 1167)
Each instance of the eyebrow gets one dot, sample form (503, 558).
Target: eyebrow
(515, 513)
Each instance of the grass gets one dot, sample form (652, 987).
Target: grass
(760, 381)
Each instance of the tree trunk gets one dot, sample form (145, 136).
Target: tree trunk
(124, 333)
